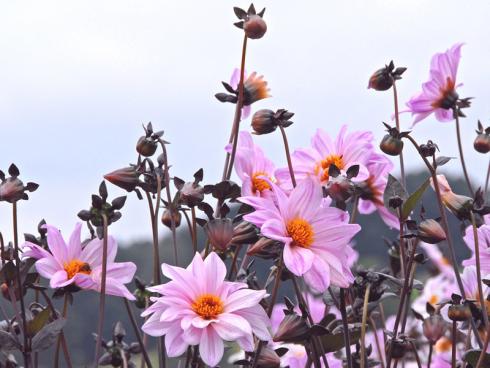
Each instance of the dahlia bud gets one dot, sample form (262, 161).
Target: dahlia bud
(170, 215)
(458, 204)
(191, 194)
(392, 143)
(434, 327)
(482, 140)
(383, 78)
(397, 348)
(220, 233)
(293, 329)
(266, 121)
(146, 146)
(244, 233)
(430, 231)
(11, 190)
(264, 247)
(268, 358)
(251, 22)
(126, 178)
(459, 312)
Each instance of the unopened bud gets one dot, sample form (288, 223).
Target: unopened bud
(268, 358)
(381, 80)
(459, 312)
(428, 150)
(126, 178)
(255, 27)
(482, 143)
(11, 190)
(244, 233)
(390, 145)
(220, 233)
(293, 329)
(263, 122)
(169, 215)
(434, 327)
(430, 231)
(146, 146)
(191, 194)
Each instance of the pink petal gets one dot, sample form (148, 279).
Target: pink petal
(92, 252)
(318, 277)
(74, 244)
(243, 298)
(59, 279)
(231, 326)
(57, 245)
(298, 260)
(215, 273)
(122, 271)
(48, 266)
(259, 321)
(211, 347)
(174, 342)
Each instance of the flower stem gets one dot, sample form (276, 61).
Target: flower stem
(25, 353)
(453, 349)
(137, 333)
(397, 120)
(484, 349)
(363, 326)
(431, 348)
(346, 328)
(103, 280)
(194, 229)
(58, 343)
(487, 179)
(463, 164)
(238, 115)
(288, 155)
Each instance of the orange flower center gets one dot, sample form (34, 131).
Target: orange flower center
(448, 96)
(371, 192)
(433, 300)
(208, 306)
(324, 165)
(76, 266)
(443, 345)
(301, 232)
(259, 184)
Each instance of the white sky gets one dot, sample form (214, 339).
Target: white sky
(78, 78)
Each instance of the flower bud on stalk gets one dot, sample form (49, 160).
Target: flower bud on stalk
(459, 312)
(382, 79)
(266, 121)
(126, 178)
(482, 140)
(392, 143)
(167, 216)
(434, 327)
(430, 231)
(251, 22)
(12, 189)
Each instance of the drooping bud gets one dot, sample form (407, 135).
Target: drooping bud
(220, 233)
(244, 233)
(293, 329)
(266, 121)
(126, 178)
(458, 204)
(268, 358)
(430, 231)
(169, 215)
(482, 140)
(383, 78)
(434, 327)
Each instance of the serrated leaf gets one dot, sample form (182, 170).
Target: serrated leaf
(35, 325)
(410, 203)
(45, 338)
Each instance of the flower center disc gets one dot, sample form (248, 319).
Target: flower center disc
(208, 306)
(259, 184)
(301, 232)
(448, 96)
(329, 160)
(76, 266)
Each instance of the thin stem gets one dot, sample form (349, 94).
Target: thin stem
(194, 229)
(355, 209)
(137, 333)
(363, 326)
(463, 164)
(234, 262)
(238, 115)
(58, 343)
(417, 358)
(169, 201)
(478, 270)
(453, 349)
(431, 348)
(346, 328)
(397, 120)
(103, 280)
(156, 251)
(2, 249)
(402, 243)
(484, 349)
(25, 353)
(378, 345)
(288, 155)
(487, 179)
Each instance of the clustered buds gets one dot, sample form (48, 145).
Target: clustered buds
(392, 143)
(266, 121)
(428, 149)
(482, 140)
(251, 22)
(12, 189)
(383, 78)
(117, 352)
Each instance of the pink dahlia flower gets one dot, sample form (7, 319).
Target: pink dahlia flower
(255, 89)
(316, 238)
(379, 166)
(438, 94)
(252, 167)
(483, 233)
(198, 307)
(70, 264)
(345, 151)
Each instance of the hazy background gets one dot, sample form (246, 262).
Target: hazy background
(78, 78)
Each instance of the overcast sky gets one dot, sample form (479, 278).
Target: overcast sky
(78, 78)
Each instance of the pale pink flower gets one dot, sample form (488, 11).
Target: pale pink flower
(470, 284)
(70, 264)
(437, 289)
(252, 167)
(483, 233)
(371, 199)
(438, 94)
(316, 238)
(198, 307)
(345, 151)
(255, 89)
(437, 258)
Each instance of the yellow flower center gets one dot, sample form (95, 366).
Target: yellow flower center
(324, 165)
(76, 266)
(433, 300)
(301, 232)
(443, 345)
(208, 306)
(259, 184)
